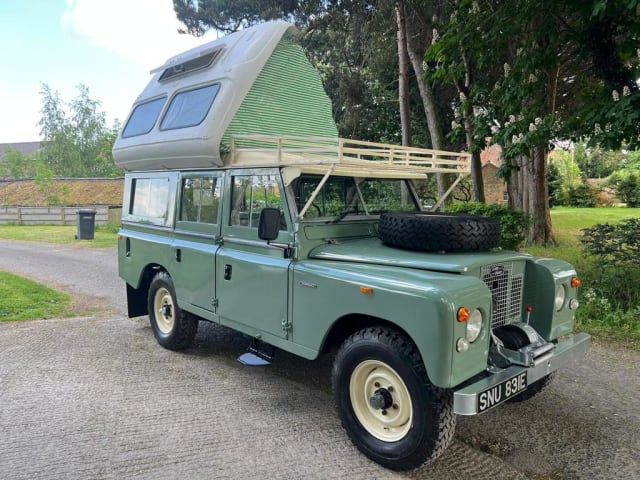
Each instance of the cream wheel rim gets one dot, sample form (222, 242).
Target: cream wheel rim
(381, 400)
(164, 310)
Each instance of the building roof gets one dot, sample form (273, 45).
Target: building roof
(491, 155)
(68, 191)
(25, 148)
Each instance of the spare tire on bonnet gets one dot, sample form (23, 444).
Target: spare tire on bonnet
(432, 232)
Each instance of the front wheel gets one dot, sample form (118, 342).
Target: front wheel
(390, 410)
(173, 328)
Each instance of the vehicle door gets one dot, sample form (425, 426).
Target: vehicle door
(197, 236)
(252, 274)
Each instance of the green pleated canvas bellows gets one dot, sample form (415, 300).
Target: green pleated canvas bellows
(287, 98)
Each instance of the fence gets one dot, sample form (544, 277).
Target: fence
(57, 215)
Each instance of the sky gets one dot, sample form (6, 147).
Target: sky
(108, 45)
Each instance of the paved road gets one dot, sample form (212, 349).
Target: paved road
(96, 397)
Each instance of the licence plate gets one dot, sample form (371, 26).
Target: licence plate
(497, 394)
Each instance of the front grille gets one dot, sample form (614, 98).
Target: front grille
(506, 292)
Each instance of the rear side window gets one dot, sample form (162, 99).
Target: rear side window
(189, 108)
(200, 200)
(143, 118)
(150, 200)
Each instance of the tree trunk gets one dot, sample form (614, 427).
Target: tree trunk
(430, 111)
(527, 189)
(476, 163)
(403, 86)
(540, 230)
(403, 76)
(476, 178)
(514, 186)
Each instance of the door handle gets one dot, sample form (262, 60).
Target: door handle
(178, 255)
(227, 271)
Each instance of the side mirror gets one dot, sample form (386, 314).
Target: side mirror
(269, 224)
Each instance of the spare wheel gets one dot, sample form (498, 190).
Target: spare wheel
(432, 231)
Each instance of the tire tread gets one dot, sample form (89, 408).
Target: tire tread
(186, 324)
(441, 408)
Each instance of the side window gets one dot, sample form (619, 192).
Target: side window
(200, 200)
(150, 199)
(143, 118)
(249, 195)
(189, 108)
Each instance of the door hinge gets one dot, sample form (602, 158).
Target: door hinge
(286, 325)
(214, 303)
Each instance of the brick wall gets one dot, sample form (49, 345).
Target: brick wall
(494, 187)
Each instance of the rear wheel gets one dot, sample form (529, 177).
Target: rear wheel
(390, 410)
(173, 328)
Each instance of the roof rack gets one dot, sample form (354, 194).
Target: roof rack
(340, 156)
(345, 154)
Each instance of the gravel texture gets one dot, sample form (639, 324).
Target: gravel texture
(96, 397)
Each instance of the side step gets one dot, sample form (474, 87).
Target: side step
(258, 354)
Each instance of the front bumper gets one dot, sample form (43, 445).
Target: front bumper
(465, 400)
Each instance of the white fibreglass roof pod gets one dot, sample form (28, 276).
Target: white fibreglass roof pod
(239, 84)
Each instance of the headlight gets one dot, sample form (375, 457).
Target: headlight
(474, 325)
(560, 295)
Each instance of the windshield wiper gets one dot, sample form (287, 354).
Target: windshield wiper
(342, 215)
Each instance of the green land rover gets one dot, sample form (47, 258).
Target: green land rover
(242, 207)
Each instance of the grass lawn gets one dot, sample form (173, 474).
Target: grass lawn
(23, 299)
(567, 225)
(104, 236)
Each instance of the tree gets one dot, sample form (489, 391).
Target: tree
(376, 84)
(567, 69)
(229, 16)
(16, 164)
(597, 162)
(77, 142)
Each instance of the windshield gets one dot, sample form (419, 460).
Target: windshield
(347, 196)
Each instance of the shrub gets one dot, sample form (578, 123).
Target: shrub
(513, 224)
(627, 187)
(616, 249)
(582, 195)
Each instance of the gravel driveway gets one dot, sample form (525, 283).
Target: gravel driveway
(96, 397)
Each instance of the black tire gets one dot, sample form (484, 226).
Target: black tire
(533, 389)
(173, 328)
(432, 232)
(410, 421)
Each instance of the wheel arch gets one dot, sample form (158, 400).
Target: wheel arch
(348, 324)
(137, 304)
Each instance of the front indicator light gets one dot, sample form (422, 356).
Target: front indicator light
(575, 282)
(474, 325)
(463, 314)
(560, 296)
(462, 345)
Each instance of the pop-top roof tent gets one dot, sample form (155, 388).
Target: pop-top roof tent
(252, 98)
(256, 80)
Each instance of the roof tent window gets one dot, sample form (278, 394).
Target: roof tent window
(143, 118)
(189, 108)
(203, 61)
